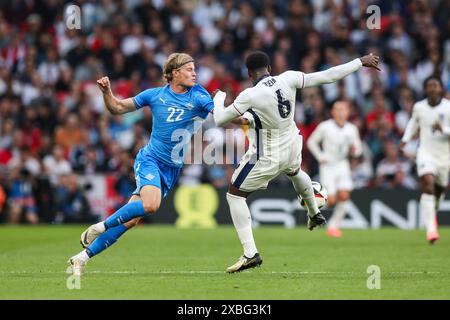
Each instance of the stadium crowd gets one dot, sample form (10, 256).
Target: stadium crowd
(54, 127)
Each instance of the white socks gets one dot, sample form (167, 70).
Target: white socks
(428, 211)
(303, 187)
(242, 221)
(101, 226)
(338, 214)
(83, 256)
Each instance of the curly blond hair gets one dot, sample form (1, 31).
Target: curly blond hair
(175, 61)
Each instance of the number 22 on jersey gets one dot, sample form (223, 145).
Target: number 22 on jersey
(175, 114)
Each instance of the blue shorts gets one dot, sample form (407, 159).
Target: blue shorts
(149, 171)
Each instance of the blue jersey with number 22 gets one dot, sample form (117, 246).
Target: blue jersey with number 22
(176, 116)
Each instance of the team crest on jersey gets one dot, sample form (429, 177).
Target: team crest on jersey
(190, 106)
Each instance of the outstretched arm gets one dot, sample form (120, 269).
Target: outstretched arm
(113, 104)
(341, 71)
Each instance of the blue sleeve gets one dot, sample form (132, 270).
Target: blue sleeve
(204, 102)
(144, 98)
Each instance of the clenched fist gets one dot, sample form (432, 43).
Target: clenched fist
(104, 84)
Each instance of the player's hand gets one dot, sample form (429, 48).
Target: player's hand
(104, 84)
(437, 126)
(216, 92)
(213, 94)
(370, 61)
(402, 145)
(323, 160)
(352, 151)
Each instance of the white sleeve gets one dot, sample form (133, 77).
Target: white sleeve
(331, 75)
(445, 126)
(222, 115)
(314, 143)
(357, 144)
(446, 131)
(242, 102)
(250, 119)
(412, 127)
(294, 79)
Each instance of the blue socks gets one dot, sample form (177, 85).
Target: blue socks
(105, 240)
(115, 227)
(128, 212)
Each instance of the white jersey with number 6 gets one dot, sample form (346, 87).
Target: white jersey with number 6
(269, 105)
(275, 141)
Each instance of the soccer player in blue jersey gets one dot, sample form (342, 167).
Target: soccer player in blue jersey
(177, 110)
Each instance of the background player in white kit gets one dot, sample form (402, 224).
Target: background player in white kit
(269, 108)
(331, 143)
(432, 117)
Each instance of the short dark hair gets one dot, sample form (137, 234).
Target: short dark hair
(433, 77)
(257, 60)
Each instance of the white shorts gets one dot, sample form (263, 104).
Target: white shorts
(429, 165)
(253, 174)
(336, 177)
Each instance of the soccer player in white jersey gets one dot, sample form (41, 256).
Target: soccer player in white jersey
(332, 143)
(269, 108)
(432, 117)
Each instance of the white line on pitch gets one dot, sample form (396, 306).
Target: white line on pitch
(221, 272)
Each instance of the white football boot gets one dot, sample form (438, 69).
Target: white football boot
(78, 265)
(91, 233)
(245, 263)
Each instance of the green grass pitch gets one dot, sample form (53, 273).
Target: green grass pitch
(162, 262)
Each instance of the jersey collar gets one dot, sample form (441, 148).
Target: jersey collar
(260, 78)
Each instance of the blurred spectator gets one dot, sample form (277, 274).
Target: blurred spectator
(361, 168)
(406, 102)
(380, 112)
(125, 183)
(24, 159)
(400, 40)
(22, 204)
(88, 160)
(70, 134)
(50, 69)
(72, 205)
(56, 165)
(394, 171)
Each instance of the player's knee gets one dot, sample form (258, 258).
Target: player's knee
(150, 207)
(429, 189)
(427, 184)
(331, 201)
(343, 196)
